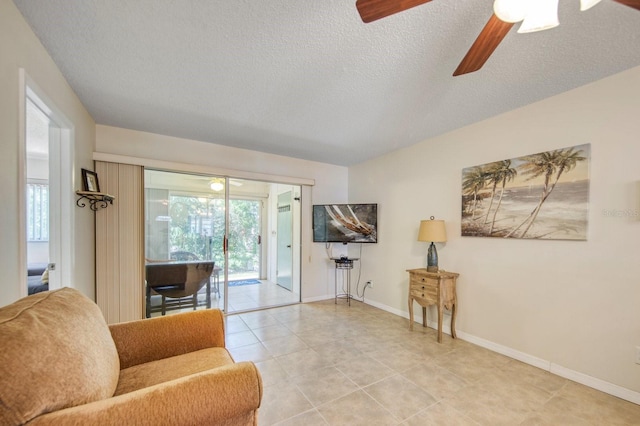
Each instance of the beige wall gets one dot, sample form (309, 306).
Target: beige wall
(20, 48)
(570, 306)
(330, 183)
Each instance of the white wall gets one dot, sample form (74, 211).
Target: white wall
(330, 183)
(21, 49)
(569, 304)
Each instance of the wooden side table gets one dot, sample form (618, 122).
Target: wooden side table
(433, 288)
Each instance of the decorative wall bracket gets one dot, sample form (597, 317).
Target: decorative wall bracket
(96, 200)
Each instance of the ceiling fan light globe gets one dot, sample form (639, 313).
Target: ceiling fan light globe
(217, 186)
(587, 4)
(541, 15)
(510, 10)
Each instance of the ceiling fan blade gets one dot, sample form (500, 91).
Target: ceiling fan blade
(490, 37)
(631, 3)
(372, 10)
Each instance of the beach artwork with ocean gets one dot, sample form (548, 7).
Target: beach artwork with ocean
(537, 196)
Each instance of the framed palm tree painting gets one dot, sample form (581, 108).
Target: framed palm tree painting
(537, 196)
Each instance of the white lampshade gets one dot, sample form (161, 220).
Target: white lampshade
(588, 4)
(541, 15)
(510, 10)
(432, 231)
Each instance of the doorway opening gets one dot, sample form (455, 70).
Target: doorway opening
(37, 198)
(230, 222)
(46, 199)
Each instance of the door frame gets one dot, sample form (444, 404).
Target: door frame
(61, 174)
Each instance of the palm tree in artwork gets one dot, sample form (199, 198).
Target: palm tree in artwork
(491, 180)
(474, 181)
(497, 173)
(501, 172)
(546, 164)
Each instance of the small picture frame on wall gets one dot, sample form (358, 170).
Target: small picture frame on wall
(90, 181)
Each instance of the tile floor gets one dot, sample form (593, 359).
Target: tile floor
(256, 296)
(327, 364)
(242, 298)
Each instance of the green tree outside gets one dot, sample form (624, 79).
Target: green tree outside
(198, 225)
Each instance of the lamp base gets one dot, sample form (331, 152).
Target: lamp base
(432, 259)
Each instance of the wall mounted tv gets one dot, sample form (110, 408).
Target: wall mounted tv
(345, 223)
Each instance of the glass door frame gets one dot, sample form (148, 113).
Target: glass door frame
(225, 275)
(262, 195)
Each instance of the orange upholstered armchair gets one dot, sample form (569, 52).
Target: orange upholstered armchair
(62, 365)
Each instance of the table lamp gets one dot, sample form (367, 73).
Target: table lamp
(432, 231)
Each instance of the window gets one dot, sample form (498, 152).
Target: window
(37, 211)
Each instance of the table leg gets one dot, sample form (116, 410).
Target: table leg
(209, 293)
(335, 284)
(348, 285)
(440, 314)
(148, 306)
(454, 309)
(410, 313)
(216, 282)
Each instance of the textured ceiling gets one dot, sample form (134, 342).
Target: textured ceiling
(309, 79)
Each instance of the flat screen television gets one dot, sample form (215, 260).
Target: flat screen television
(345, 223)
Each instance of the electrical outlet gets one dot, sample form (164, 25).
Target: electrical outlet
(370, 284)
(637, 354)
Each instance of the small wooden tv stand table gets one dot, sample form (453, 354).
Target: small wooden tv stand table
(433, 288)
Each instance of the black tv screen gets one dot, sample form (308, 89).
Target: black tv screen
(345, 223)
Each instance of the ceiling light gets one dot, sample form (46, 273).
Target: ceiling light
(541, 15)
(588, 4)
(510, 10)
(216, 186)
(536, 15)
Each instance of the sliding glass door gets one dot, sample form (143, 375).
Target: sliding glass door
(201, 219)
(185, 224)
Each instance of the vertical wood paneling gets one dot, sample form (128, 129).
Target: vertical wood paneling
(119, 243)
(106, 245)
(131, 237)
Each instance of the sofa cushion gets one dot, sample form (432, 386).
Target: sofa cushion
(57, 352)
(152, 373)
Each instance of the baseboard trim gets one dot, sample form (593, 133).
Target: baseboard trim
(575, 376)
(387, 308)
(505, 350)
(317, 298)
(593, 382)
(558, 370)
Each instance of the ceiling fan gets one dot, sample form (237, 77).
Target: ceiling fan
(506, 14)
(216, 184)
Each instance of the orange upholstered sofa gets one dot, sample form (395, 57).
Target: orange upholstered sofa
(61, 364)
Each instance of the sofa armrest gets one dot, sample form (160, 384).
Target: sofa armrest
(232, 392)
(157, 338)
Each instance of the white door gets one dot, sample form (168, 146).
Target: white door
(285, 241)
